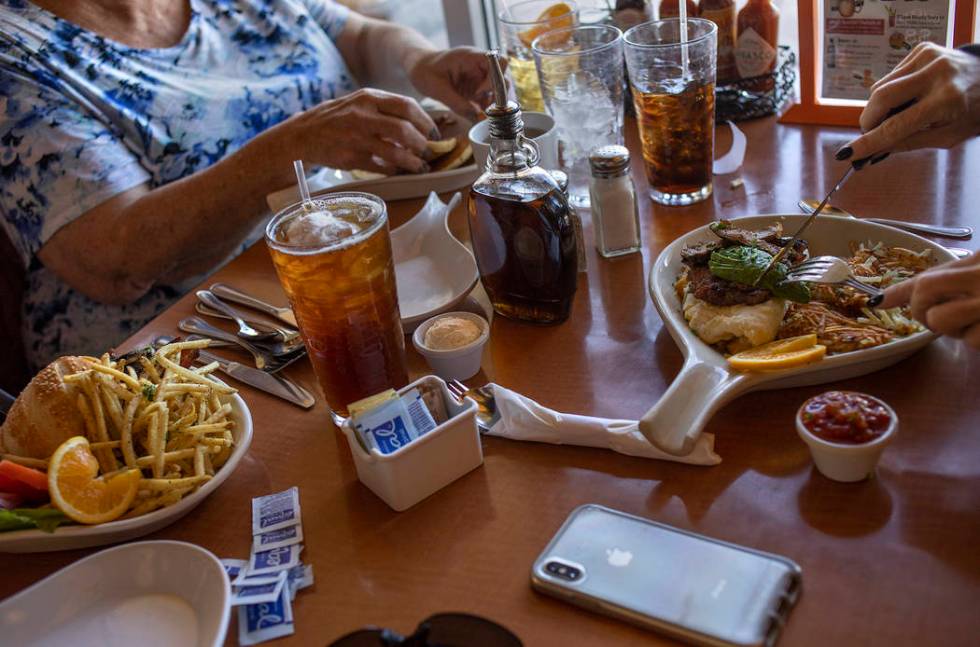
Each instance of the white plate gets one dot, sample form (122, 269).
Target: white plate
(72, 537)
(706, 383)
(393, 187)
(151, 593)
(434, 271)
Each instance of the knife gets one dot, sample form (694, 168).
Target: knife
(276, 385)
(856, 165)
(806, 223)
(231, 294)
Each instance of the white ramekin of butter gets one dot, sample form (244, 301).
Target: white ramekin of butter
(452, 344)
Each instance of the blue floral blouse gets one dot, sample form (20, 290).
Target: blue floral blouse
(83, 118)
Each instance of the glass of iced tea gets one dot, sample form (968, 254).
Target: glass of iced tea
(520, 23)
(673, 85)
(333, 258)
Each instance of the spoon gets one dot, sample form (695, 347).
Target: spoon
(808, 206)
(266, 360)
(287, 335)
(245, 331)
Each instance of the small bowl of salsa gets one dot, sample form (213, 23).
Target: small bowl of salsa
(846, 432)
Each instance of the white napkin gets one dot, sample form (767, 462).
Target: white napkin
(732, 160)
(522, 418)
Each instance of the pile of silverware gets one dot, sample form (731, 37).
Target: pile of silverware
(273, 341)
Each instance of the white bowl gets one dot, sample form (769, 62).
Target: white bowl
(433, 271)
(547, 141)
(706, 382)
(458, 363)
(151, 593)
(847, 462)
(72, 537)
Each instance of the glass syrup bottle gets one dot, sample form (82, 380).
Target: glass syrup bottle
(522, 234)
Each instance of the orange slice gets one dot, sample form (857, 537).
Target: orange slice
(779, 354)
(557, 16)
(79, 493)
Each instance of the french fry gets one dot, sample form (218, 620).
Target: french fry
(153, 446)
(36, 463)
(126, 433)
(163, 485)
(125, 378)
(151, 370)
(199, 455)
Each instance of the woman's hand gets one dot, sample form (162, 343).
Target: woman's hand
(369, 129)
(946, 299)
(944, 86)
(458, 77)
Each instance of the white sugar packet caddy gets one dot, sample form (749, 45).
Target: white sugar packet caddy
(427, 464)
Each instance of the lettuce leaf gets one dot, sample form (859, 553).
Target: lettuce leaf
(744, 264)
(46, 519)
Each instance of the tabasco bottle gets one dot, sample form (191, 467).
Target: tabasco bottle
(722, 13)
(758, 35)
(671, 9)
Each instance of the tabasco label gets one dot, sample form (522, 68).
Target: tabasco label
(753, 55)
(725, 19)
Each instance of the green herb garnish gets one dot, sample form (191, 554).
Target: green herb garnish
(744, 264)
(149, 391)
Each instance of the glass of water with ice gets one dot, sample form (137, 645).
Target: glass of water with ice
(581, 74)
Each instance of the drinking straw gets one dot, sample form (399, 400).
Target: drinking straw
(304, 188)
(682, 7)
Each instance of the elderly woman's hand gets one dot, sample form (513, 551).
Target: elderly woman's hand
(943, 87)
(369, 129)
(458, 77)
(946, 299)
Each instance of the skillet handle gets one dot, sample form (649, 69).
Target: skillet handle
(675, 422)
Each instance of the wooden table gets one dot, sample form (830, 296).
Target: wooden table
(891, 561)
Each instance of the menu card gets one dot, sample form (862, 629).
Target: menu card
(863, 40)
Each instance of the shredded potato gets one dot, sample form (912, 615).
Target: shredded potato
(840, 316)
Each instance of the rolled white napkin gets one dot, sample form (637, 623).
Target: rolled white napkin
(522, 418)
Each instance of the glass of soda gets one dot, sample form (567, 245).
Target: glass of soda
(520, 22)
(333, 258)
(673, 85)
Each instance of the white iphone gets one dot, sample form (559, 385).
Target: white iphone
(691, 587)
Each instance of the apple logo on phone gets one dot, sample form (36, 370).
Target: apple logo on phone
(618, 558)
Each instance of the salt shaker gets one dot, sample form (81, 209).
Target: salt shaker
(561, 177)
(615, 217)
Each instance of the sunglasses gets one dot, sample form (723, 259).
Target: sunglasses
(440, 630)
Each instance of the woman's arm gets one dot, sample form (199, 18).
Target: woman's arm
(383, 53)
(115, 252)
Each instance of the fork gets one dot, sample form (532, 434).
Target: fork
(831, 269)
(487, 414)
(245, 331)
(265, 360)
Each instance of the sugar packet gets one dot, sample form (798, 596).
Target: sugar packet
(264, 562)
(259, 593)
(234, 567)
(300, 577)
(261, 622)
(278, 538)
(394, 423)
(275, 511)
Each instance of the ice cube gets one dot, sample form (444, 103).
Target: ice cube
(316, 228)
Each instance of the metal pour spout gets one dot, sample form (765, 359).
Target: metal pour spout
(504, 116)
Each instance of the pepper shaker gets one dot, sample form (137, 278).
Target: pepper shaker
(615, 216)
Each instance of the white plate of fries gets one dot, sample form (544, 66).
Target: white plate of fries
(208, 430)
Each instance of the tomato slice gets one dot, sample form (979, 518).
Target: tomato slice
(28, 475)
(29, 484)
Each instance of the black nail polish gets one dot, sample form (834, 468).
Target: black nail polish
(434, 134)
(424, 168)
(879, 158)
(844, 153)
(860, 164)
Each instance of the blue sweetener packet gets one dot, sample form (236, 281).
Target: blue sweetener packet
(394, 423)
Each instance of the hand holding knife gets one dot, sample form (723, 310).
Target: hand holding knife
(856, 165)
